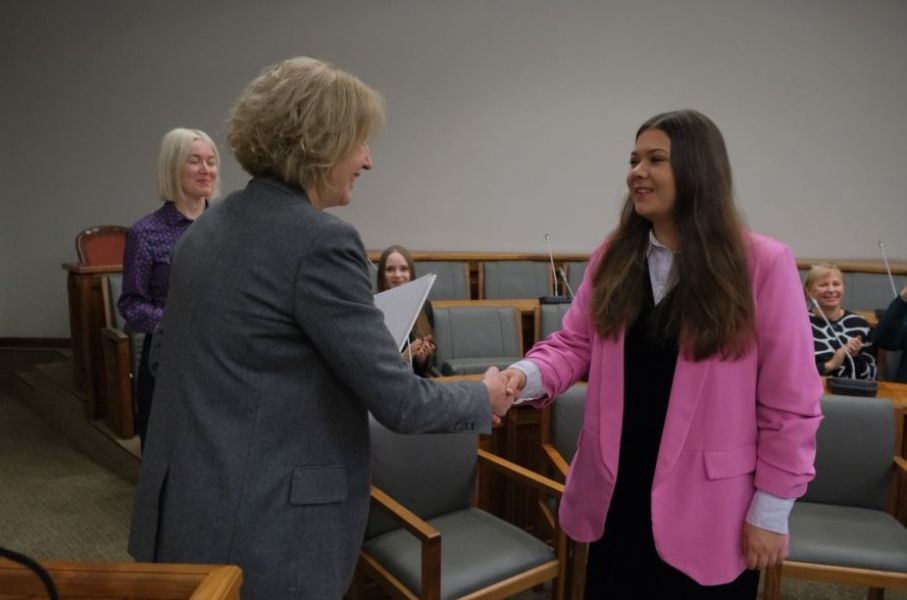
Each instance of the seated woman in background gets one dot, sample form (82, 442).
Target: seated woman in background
(843, 334)
(891, 333)
(186, 179)
(395, 267)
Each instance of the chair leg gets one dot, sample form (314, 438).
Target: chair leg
(559, 586)
(876, 594)
(577, 573)
(772, 587)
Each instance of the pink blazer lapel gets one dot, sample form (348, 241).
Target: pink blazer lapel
(686, 392)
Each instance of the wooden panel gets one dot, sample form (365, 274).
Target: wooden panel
(420, 255)
(898, 267)
(86, 319)
(133, 581)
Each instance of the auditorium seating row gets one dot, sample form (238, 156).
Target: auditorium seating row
(486, 275)
(470, 338)
(471, 334)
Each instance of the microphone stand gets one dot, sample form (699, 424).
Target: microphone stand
(555, 299)
(894, 288)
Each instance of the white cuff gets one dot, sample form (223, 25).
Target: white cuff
(533, 389)
(769, 512)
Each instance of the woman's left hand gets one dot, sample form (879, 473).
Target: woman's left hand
(763, 548)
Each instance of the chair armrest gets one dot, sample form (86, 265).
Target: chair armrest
(515, 471)
(114, 334)
(428, 536)
(421, 530)
(901, 463)
(556, 459)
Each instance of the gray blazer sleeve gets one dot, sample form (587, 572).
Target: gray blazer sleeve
(335, 307)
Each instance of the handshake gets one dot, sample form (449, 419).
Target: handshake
(504, 388)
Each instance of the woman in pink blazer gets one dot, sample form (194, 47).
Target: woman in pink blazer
(703, 399)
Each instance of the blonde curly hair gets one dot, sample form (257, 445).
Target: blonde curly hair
(299, 117)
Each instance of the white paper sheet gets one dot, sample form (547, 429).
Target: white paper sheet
(401, 306)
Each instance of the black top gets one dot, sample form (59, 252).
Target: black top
(650, 356)
(891, 334)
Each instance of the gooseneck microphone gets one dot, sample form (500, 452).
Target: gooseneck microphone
(551, 261)
(555, 299)
(566, 283)
(894, 288)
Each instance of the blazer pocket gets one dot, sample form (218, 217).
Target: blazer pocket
(318, 485)
(730, 463)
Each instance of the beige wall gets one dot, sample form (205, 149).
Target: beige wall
(506, 118)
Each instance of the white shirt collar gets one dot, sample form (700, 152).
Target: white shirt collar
(661, 272)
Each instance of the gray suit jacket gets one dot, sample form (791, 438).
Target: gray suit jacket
(273, 353)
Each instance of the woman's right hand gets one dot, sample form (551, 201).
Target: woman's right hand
(516, 381)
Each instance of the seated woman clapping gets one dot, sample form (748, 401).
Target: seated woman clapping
(839, 335)
(395, 267)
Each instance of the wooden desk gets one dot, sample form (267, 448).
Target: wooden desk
(113, 581)
(526, 306)
(86, 319)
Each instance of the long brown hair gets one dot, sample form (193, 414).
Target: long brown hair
(422, 327)
(712, 306)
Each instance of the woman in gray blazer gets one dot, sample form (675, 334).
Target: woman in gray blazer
(273, 353)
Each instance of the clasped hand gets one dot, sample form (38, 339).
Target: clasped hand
(503, 389)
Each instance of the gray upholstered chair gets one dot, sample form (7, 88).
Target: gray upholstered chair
(470, 339)
(452, 282)
(549, 320)
(576, 269)
(514, 279)
(425, 539)
(121, 351)
(559, 426)
(841, 530)
(869, 291)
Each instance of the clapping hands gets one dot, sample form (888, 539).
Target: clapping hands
(421, 350)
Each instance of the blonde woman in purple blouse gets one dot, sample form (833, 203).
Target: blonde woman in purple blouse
(187, 178)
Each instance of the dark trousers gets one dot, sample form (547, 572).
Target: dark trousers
(629, 567)
(144, 390)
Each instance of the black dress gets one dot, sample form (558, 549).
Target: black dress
(624, 562)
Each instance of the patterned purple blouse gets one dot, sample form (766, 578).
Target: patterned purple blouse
(146, 266)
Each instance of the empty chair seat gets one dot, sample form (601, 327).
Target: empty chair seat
(550, 318)
(437, 544)
(869, 291)
(452, 282)
(470, 339)
(515, 279)
(840, 529)
(576, 270)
